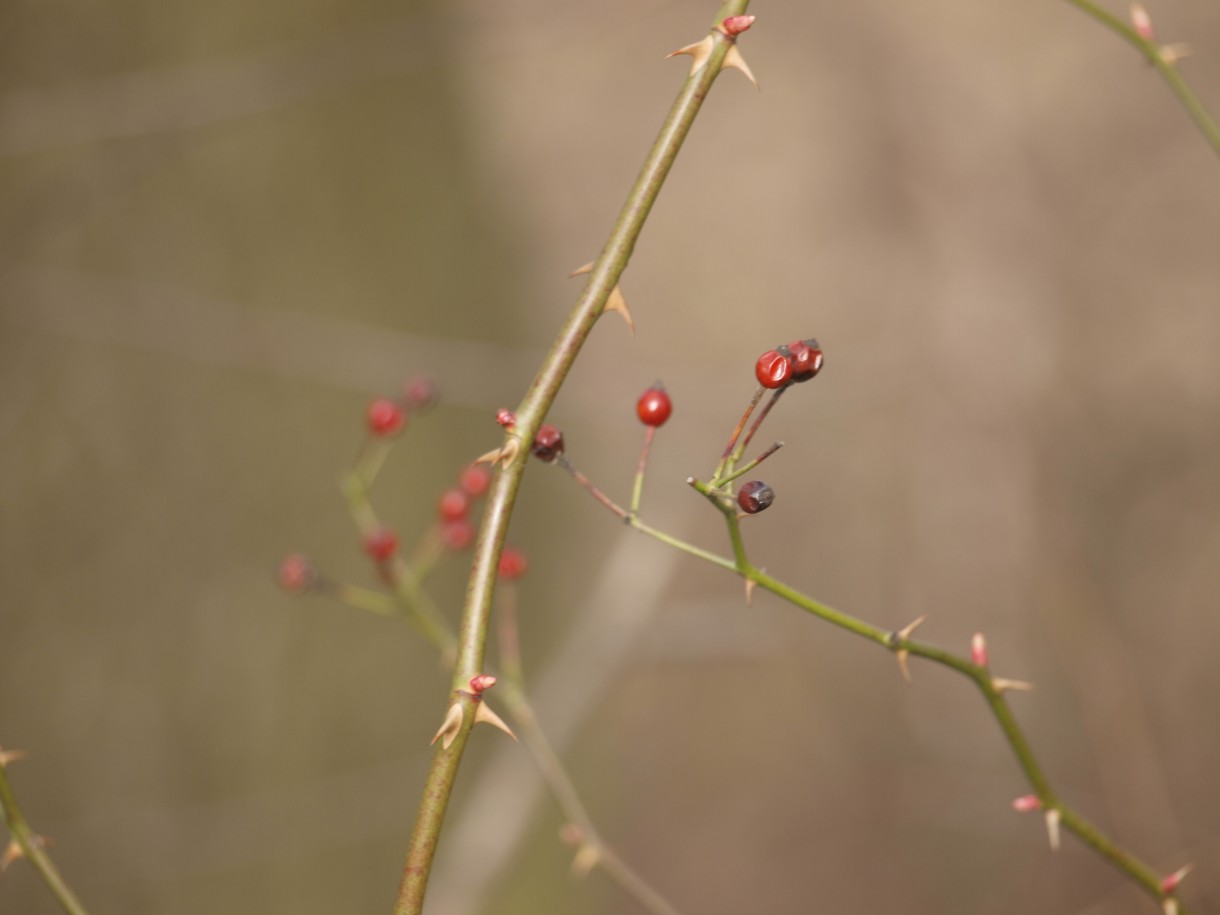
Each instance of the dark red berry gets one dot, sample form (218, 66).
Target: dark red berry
(454, 504)
(475, 479)
(806, 358)
(385, 417)
(548, 443)
(297, 574)
(457, 535)
(512, 564)
(381, 543)
(755, 496)
(654, 406)
(422, 393)
(773, 369)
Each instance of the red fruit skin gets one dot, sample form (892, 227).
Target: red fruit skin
(548, 443)
(806, 358)
(755, 496)
(457, 535)
(381, 544)
(454, 505)
(513, 564)
(297, 574)
(654, 407)
(773, 369)
(475, 480)
(385, 417)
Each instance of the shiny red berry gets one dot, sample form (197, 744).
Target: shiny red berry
(512, 564)
(457, 535)
(548, 443)
(773, 369)
(654, 406)
(385, 417)
(806, 358)
(454, 504)
(297, 574)
(422, 393)
(381, 543)
(475, 480)
(755, 496)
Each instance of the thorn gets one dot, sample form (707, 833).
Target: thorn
(586, 859)
(1169, 906)
(10, 756)
(587, 268)
(699, 52)
(449, 730)
(616, 301)
(751, 584)
(1170, 884)
(506, 454)
(978, 650)
(1172, 53)
(1052, 827)
(12, 853)
(484, 714)
(902, 654)
(1027, 803)
(1142, 22)
(1002, 685)
(734, 60)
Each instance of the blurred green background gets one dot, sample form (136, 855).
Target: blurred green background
(225, 226)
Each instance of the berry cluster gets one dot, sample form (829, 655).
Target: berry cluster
(453, 509)
(793, 362)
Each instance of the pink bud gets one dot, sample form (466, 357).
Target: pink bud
(1170, 884)
(481, 682)
(1142, 22)
(1026, 803)
(978, 650)
(735, 25)
(506, 418)
(297, 574)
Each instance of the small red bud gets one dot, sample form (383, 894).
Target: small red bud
(513, 564)
(385, 417)
(1142, 22)
(755, 496)
(457, 535)
(422, 393)
(297, 574)
(381, 543)
(548, 443)
(1027, 803)
(773, 369)
(735, 25)
(475, 480)
(481, 682)
(1170, 884)
(454, 505)
(978, 650)
(506, 418)
(654, 406)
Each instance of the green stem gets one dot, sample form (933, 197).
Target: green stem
(32, 849)
(604, 276)
(1164, 66)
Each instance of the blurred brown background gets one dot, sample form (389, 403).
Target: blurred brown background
(226, 225)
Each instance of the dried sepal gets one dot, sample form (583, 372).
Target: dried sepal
(452, 725)
(485, 715)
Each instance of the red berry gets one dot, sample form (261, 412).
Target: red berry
(548, 443)
(457, 535)
(755, 496)
(773, 369)
(475, 479)
(421, 393)
(381, 543)
(385, 417)
(806, 358)
(512, 564)
(454, 504)
(297, 574)
(654, 406)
